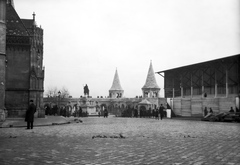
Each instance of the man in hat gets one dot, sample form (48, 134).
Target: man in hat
(161, 108)
(30, 115)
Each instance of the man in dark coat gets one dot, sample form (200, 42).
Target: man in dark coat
(205, 111)
(161, 111)
(231, 110)
(80, 112)
(30, 115)
(157, 114)
(106, 113)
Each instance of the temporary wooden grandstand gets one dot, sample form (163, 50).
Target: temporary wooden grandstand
(214, 84)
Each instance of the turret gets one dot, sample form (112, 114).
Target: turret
(150, 88)
(116, 90)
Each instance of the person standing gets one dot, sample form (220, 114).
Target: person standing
(205, 111)
(161, 111)
(105, 113)
(30, 115)
(157, 114)
(211, 111)
(153, 113)
(231, 110)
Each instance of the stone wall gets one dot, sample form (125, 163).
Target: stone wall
(2, 57)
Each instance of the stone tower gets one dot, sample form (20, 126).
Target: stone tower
(150, 89)
(2, 57)
(24, 64)
(116, 90)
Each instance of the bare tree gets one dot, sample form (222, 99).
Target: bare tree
(64, 92)
(55, 92)
(51, 92)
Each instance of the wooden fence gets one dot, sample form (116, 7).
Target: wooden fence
(195, 106)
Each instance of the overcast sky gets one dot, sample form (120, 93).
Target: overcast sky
(86, 40)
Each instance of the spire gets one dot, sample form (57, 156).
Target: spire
(151, 80)
(116, 83)
(34, 16)
(34, 22)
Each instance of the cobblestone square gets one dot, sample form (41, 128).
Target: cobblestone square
(123, 141)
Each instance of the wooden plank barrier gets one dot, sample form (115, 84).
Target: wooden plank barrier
(177, 106)
(186, 107)
(196, 107)
(211, 103)
(225, 104)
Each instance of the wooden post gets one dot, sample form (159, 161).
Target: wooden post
(181, 87)
(173, 92)
(202, 86)
(227, 83)
(216, 88)
(216, 85)
(191, 87)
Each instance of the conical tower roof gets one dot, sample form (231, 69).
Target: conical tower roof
(116, 83)
(151, 80)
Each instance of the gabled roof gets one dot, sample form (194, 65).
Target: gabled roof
(151, 80)
(145, 102)
(116, 83)
(14, 24)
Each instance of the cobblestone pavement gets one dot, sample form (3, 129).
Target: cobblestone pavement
(123, 141)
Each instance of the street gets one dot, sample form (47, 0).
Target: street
(123, 141)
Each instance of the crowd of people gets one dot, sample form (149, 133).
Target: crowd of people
(206, 112)
(151, 113)
(64, 111)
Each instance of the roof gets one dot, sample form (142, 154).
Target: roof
(116, 83)
(14, 24)
(151, 80)
(201, 63)
(145, 102)
(28, 22)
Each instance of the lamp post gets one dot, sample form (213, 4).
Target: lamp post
(59, 95)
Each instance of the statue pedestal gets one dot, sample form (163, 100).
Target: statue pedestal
(91, 110)
(88, 106)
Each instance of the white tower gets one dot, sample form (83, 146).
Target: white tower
(150, 89)
(116, 90)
